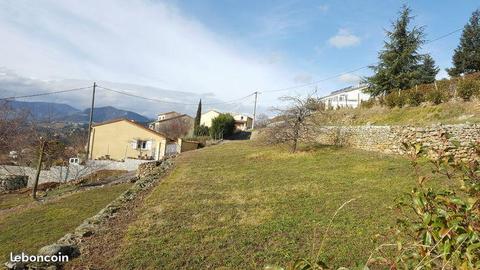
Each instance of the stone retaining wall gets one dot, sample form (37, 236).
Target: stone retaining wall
(389, 139)
(69, 245)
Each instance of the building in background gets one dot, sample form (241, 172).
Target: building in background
(347, 97)
(173, 124)
(242, 121)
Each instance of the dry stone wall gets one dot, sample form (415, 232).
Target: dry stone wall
(389, 139)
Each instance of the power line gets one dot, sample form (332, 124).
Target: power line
(126, 93)
(46, 93)
(352, 71)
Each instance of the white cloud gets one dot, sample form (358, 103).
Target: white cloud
(138, 41)
(350, 78)
(343, 39)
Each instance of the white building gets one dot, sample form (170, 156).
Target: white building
(347, 97)
(242, 121)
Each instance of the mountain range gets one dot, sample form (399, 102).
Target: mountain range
(60, 112)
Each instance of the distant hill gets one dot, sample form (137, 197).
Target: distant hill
(59, 112)
(102, 114)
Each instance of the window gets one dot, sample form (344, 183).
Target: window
(141, 144)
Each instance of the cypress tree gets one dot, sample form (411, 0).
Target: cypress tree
(399, 60)
(428, 70)
(466, 58)
(196, 124)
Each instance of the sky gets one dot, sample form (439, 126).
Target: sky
(211, 49)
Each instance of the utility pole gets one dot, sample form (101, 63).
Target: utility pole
(254, 110)
(90, 121)
(39, 167)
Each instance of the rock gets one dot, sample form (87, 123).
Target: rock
(60, 249)
(15, 265)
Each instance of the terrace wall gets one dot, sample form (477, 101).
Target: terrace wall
(389, 139)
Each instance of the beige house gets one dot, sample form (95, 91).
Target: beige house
(242, 121)
(121, 139)
(173, 124)
(206, 118)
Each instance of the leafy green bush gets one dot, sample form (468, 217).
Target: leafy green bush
(396, 99)
(443, 224)
(468, 88)
(222, 126)
(202, 130)
(414, 97)
(436, 97)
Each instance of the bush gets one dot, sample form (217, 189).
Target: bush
(436, 97)
(395, 99)
(414, 97)
(468, 88)
(222, 126)
(367, 104)
(202, 130)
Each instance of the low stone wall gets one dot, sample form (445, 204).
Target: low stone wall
(389, 139)
(12, 182)
(69, 245)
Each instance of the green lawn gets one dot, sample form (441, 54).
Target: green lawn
(29, 229)
(243, 206)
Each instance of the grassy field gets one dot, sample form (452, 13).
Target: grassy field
(445, 113)
(40, 224)
(244, 206)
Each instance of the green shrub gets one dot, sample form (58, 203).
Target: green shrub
(202, 130)
(468, 88)
(436, 97)
(414, 97)
(222, 126)
(396, 99)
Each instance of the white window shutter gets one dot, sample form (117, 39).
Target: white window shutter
(148, 145)
(134, 144)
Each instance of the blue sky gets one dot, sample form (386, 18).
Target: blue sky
(296, 33)
(218, 49)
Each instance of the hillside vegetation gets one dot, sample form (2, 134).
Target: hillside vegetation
(452, 112)
(244, 206)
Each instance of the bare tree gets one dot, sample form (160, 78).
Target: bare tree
(176, 128)
(294, 122)
(261, 121)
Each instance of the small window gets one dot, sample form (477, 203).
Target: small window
(241, 117)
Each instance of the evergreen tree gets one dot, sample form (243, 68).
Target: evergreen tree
(196, 123)
(466, 58)
(428, 70)
(399, 61)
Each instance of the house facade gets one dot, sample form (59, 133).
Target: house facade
(242, 121)
(206, 118)
(123, 139)
(173, 124)
(347, 97)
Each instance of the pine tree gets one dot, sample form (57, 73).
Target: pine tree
(399, 61)
(196, 124)
(428, 70)
(466, 58)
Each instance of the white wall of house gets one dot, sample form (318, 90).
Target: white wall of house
(206, 118)
(349, 97)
